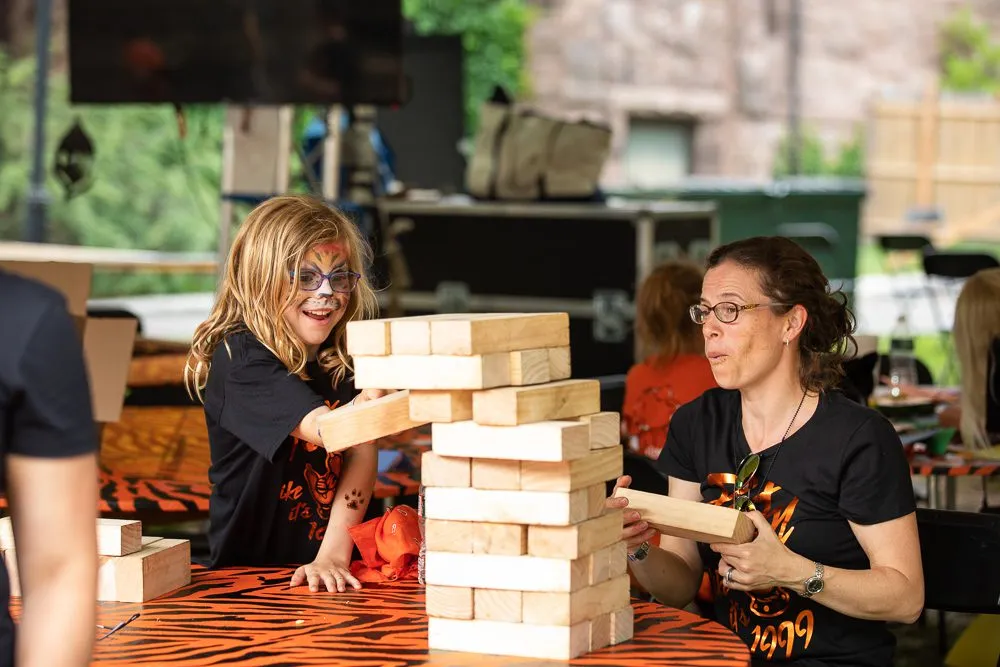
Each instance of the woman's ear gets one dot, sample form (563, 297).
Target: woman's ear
(795, 322)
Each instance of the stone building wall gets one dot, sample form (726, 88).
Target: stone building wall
(721, 65)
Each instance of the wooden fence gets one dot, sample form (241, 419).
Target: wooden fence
(933, 168)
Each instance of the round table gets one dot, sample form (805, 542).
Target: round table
(249, 616)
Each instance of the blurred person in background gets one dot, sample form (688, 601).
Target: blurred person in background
(674, 369)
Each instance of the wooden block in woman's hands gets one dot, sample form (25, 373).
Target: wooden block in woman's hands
(369, 420)
(700, 522)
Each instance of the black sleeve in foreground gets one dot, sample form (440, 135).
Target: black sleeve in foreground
(54, 416)
(264, 402)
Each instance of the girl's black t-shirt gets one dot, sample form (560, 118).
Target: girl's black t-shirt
(272, 493)
(846, 464)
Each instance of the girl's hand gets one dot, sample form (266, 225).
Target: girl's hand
(333, 574)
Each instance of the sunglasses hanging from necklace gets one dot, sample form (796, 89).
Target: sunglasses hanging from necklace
(747, 468)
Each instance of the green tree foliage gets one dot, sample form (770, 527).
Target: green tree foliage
(847, 162)
(969, 55)
(493, 36)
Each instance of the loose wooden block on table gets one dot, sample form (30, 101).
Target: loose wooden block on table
(160, 566)
(504, 332)
(115, 537)
(521, 507)
(440, 406)
(692, 520)
(539, 441)
(438, 470)
(354, 424)
(512, 406)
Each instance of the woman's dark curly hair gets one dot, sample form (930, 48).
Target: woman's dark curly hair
(789, 274)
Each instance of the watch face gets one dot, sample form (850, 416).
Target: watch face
(814, 586)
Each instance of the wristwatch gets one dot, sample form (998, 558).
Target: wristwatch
(640, 553)
(814, 584)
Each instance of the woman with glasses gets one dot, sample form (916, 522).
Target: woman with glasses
(823, 479)
(267, 363)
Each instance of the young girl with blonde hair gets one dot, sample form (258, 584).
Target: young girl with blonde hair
(977, 325)
(269, 361)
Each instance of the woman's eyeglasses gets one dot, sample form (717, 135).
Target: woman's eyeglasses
(741, 490)
(725, 311)
(340, 281)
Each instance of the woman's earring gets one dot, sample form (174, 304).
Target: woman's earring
(786, 342)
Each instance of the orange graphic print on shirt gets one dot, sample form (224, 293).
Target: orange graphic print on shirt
(309, 491)
(773, 625)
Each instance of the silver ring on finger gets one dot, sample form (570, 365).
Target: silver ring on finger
(729, 576)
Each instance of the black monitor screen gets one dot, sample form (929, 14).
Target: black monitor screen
(241, 51)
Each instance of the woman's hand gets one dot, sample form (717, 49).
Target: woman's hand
(762, 563)
(335, 575)
(635, 531)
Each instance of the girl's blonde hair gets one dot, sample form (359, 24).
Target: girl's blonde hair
(256, 287)
(977, 323)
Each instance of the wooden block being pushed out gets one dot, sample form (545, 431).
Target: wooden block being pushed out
(115, 537)
(440, 406)
(539, 441)
(500, 333)
(512, 406)
(369, 420)
(544, 642)
(700, 522)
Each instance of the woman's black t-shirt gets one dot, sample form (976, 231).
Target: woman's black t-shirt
(845, 464)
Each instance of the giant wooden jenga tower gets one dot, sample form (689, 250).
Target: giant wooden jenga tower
(522, 558)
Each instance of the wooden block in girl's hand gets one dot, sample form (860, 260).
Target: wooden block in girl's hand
(696, 521)
(369, 420)
(512, 406)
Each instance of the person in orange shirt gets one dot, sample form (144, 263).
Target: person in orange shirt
(674, 370)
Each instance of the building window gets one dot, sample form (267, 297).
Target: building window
(658, 152)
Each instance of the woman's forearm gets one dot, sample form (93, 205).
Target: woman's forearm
(879, 594)
(667, 577)
(354, 491)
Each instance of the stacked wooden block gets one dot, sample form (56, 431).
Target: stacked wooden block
(521, 557)
(132, 567)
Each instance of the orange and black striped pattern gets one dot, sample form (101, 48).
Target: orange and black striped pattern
(249, 616)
